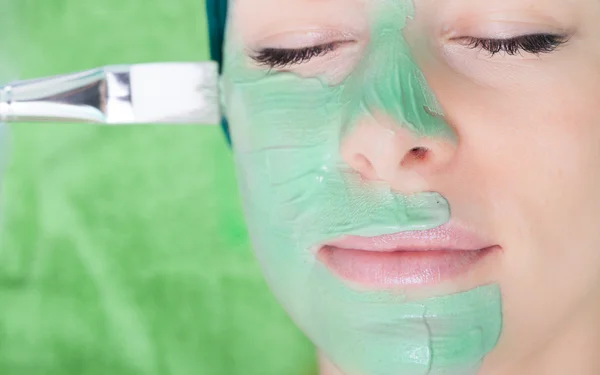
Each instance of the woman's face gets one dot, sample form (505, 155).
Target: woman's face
(420, 178)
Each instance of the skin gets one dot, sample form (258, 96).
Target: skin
(521, 165)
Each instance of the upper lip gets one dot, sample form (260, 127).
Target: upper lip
(448, 237)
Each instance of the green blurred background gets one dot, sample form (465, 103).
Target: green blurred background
(123, 249)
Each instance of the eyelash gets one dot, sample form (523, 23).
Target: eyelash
(280, 58)
(534, 44)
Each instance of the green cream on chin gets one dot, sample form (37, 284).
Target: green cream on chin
(297, 192)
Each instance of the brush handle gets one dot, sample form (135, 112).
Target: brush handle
(75, 97)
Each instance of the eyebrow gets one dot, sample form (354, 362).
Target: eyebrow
(271, 17)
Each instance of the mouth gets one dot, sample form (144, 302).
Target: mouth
(406, 259)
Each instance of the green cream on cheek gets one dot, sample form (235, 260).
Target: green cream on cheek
(297, 192)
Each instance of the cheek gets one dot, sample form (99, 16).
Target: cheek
(535, 151)
(537, 139)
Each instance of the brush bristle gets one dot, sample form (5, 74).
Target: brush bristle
(175, 93)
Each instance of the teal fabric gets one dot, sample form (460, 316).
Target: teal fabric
(216, 14)
(123, 250)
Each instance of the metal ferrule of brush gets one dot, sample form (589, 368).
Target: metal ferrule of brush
(168, 93)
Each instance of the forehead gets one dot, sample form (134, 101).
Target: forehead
(253, 17)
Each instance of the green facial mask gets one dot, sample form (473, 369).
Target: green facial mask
(297, 192)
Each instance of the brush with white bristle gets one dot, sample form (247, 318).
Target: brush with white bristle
(153, 93)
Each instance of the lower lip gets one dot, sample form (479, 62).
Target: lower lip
(378, 269)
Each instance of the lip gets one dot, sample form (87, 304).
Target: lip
(405, 259)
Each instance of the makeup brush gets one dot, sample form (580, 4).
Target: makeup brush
(153, 93)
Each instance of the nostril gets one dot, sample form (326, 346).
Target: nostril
(419, 153)
(414, 156)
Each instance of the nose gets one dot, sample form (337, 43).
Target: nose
(382, 151)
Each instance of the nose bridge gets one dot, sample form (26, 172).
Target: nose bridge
(388, 83)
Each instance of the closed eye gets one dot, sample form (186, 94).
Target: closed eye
(534, 44)
(284, 57)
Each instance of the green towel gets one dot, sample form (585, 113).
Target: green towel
(123, 249)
